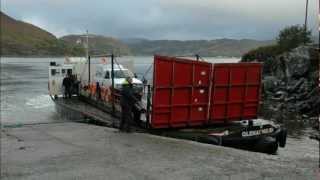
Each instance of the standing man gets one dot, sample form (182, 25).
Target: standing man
(67, 83)
(127, 102)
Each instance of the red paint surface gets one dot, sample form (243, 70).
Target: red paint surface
(192, 93)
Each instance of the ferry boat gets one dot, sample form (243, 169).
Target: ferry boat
(190, 99)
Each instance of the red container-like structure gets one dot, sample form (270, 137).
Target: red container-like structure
(193, 93)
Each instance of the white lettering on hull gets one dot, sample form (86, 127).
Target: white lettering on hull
(257, 132)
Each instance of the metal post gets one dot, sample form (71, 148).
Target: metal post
(89, 71)
(87, 45)
(148, 106)
(319, 25)
(306, 21)
(112, 80)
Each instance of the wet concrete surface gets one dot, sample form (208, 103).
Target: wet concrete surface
(72, 150)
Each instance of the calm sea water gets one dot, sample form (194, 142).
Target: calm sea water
(25, 99)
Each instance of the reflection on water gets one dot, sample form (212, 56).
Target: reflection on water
(24, 98)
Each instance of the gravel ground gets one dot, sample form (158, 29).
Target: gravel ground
(81, 151)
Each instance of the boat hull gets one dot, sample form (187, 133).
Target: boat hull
(261, 136)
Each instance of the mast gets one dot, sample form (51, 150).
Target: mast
(89, 70)
(88, 58)
(87, 45)
(319, 25)
(112, 81)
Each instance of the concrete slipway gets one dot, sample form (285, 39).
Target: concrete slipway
(80, 151)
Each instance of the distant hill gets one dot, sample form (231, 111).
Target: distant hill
(99, 44)
(129, 41)
(218, 47)
(23, 39)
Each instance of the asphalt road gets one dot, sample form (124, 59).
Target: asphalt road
(81, 151)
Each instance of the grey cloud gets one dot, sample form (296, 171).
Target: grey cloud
(164, 19)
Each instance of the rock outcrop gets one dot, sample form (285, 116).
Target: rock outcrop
(290, 85)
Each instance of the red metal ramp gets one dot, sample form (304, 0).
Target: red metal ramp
(180, 94)
(235, 91)
(193, 93)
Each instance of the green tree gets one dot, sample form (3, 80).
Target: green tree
(293, 36)
(288, 38)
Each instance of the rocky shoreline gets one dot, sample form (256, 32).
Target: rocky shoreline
(291, 87)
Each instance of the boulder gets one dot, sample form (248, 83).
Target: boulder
(270, 84)
(297, 62)
(294, 85)
(290, 65)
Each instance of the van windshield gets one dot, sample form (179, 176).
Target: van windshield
(122, 73)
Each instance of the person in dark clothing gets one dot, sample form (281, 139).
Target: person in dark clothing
(98, 91)
(127, 102)
(67, 83)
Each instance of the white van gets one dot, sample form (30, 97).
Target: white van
(103, 76)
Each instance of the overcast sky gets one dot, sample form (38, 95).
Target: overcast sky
(164, 19)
